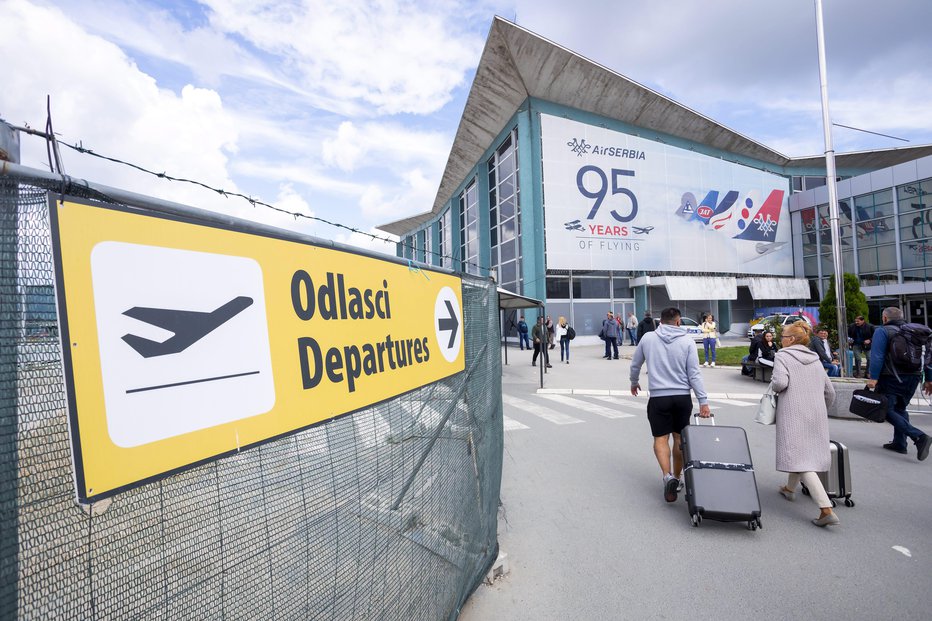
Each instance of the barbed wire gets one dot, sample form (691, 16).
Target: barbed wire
(55, 162)
(80, 148)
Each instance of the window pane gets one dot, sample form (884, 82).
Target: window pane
(917, 254)
(620, 289)
(508, 230)
(811, 267)
(593, 288)
(558, 287)
(508, 250)
(915, 222)
(588, 316)
(509, 273)
(507, 207)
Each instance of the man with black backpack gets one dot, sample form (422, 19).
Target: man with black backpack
(901, 354)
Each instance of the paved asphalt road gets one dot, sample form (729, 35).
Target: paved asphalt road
(589, 536)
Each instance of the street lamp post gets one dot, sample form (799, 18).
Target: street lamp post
(832, 201)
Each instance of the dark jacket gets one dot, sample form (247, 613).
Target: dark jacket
(879, 363)
(859, 334)
(760, 349)
(539, 333)
(816, 345)
(646, 325)
(610, 328)
(522, 327)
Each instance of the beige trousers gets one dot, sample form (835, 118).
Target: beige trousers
(813, 484)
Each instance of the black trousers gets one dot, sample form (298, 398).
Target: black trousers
(538, 347)
(611, 343)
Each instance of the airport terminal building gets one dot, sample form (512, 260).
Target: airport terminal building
(572, 184)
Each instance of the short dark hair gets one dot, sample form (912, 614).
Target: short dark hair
(669, 315)
(861, 317)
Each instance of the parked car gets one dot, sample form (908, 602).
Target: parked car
(692, 328)
(784, 320)
(691, 325)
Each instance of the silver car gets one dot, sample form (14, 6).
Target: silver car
(784, 320)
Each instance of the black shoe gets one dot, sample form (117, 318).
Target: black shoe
(616, 358)
(533, 364)
(670, 489)
(549, 366)
(922, 446)
(890, 446)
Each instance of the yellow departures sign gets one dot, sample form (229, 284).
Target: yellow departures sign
(184, 342)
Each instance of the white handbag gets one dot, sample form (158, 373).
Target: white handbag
(767, 408)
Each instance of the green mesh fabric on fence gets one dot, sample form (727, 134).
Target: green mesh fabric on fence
(302, 527)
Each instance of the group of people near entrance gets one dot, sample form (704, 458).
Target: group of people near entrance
(763, 349)
(614, 330)
(804, 395)
(545, 334)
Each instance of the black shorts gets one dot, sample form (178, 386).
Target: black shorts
(668, 414)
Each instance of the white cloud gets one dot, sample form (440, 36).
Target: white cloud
(398, 56)
(414, 195)
(344, 151)
(100, 98)
(387, 146)
(371, 240)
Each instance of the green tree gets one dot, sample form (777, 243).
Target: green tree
(855, 304)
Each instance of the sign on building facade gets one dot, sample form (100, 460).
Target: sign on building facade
(619, 202)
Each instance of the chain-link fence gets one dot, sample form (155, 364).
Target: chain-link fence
(316, 525)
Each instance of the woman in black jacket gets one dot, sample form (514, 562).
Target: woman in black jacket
(763, 350)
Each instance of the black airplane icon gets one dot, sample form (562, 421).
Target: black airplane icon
(189, 326)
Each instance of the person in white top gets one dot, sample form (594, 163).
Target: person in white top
(709, 338)
(563, 338)
(631, 327)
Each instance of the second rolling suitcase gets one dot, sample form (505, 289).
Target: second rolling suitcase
(837, 481)
(720, 483)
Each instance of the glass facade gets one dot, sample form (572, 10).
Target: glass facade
(870, 225)
(505, 214)
(585, 298)
(408, 252)
(469, 229)
(445, 225)
(915, 209)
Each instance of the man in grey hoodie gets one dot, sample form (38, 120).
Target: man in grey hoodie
(673, 367)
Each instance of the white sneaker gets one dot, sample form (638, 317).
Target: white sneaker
(705, 364)
(713, 365)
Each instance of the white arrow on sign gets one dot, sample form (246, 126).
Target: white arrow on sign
(448, 323)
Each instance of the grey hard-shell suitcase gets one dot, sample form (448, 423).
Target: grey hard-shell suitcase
(720, 483)
(837, 481)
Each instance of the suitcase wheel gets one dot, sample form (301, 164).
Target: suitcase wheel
(849, 502)
(805, 490)
(752, 524)
(697, 519)
(834, 504)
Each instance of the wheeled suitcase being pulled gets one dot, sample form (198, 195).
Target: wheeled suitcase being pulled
(720, 483)
(837, 481)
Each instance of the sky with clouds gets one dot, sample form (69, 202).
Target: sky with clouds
(347, 110)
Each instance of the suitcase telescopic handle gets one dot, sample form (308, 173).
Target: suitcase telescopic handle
(711, 418)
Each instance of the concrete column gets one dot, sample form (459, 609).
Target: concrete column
(723, 316)
(640, 301)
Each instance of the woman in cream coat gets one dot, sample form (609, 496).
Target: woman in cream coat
(709, 338)
(802, 418)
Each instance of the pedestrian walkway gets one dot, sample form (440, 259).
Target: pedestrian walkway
(589, 371)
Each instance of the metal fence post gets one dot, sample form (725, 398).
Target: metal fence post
(10, 321)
